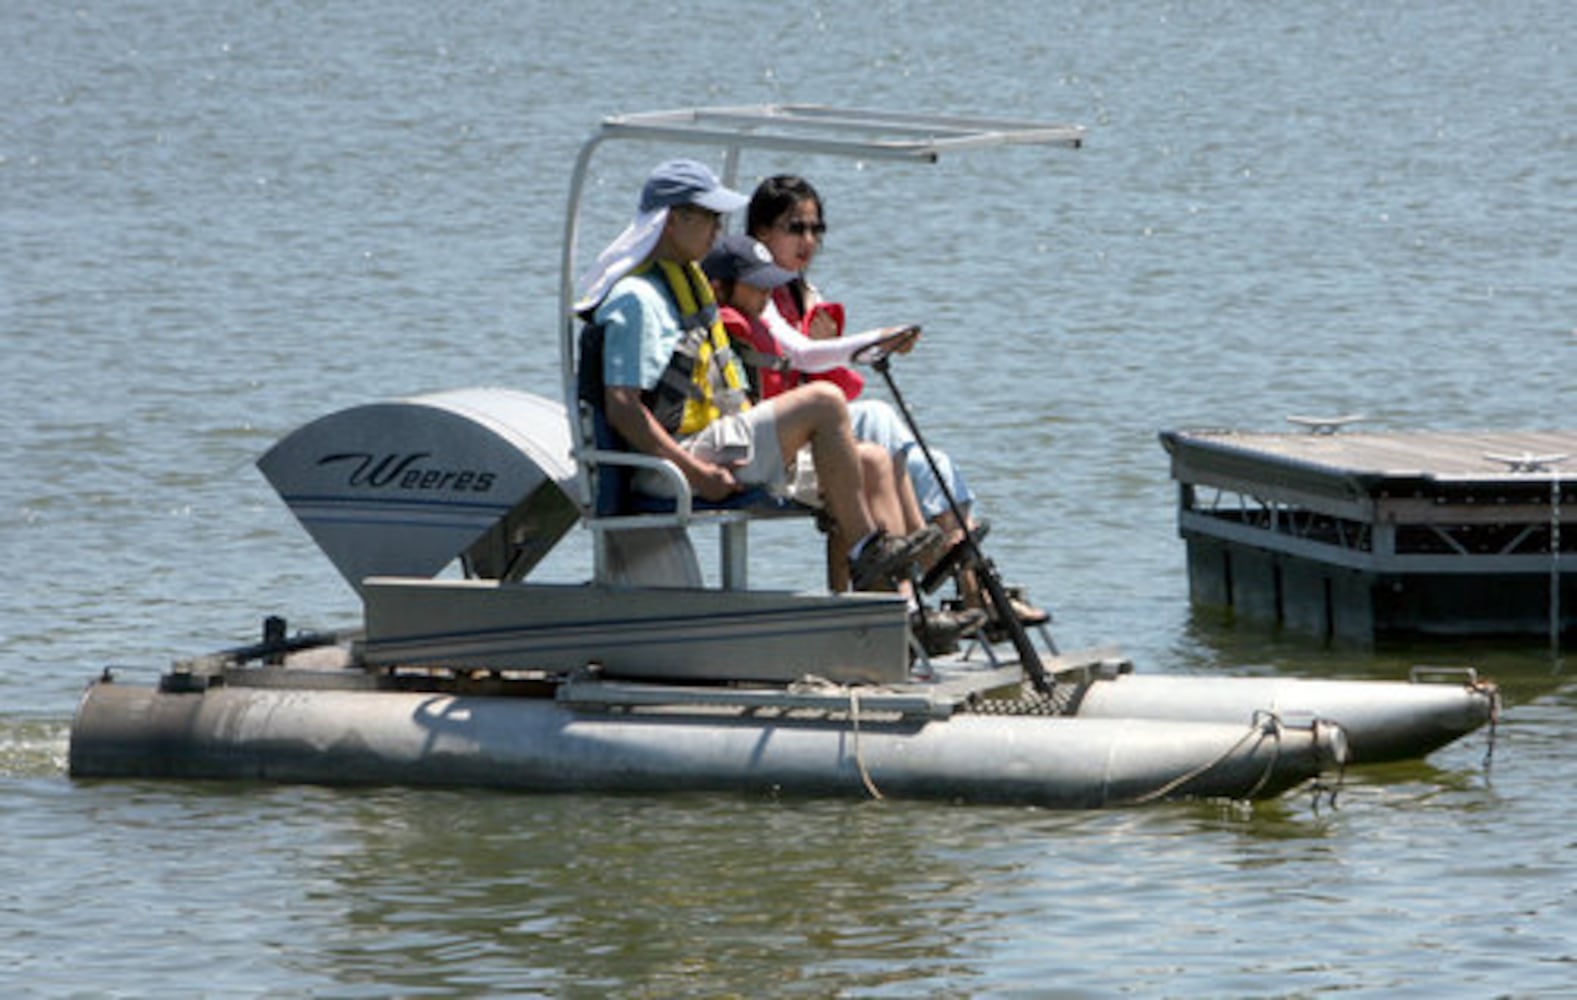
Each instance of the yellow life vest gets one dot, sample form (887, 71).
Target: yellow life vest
(704, 379)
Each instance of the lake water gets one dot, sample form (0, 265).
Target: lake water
(220, 220)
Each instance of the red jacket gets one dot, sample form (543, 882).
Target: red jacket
(776, 377)
(752, 333)
(850, 381)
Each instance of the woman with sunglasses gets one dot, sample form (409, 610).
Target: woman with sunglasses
(787, 216)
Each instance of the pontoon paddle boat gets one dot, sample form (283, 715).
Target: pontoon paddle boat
(647, 676)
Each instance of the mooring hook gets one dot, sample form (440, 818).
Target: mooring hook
(1527, 461)
(1325, 425)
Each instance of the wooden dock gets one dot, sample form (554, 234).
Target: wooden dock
(1354, 534)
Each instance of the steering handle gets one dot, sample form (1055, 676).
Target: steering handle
(870, 354)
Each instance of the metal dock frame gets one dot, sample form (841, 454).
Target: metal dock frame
(1362, 535)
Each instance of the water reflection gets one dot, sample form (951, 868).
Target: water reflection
(719, 895)
(1213, 643)
(446, 892)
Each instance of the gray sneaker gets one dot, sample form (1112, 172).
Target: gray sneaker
(885, 560)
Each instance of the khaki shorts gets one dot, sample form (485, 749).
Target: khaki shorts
(746, 441)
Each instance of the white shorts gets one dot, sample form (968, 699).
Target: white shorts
(748, 442)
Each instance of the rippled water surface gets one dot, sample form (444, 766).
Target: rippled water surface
(221, 220)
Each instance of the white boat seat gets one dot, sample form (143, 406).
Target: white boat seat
(641, 539)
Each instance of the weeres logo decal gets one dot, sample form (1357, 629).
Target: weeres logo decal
(405, 472)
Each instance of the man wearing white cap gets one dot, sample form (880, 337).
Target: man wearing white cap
(672, 387)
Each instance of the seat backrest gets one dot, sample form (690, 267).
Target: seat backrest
(608, 483)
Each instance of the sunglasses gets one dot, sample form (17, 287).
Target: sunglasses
(800, 228)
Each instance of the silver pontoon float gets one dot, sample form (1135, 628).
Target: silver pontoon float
(646, 678)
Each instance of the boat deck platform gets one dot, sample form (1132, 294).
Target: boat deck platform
(1337, 532)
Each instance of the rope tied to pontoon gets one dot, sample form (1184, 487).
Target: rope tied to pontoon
(1263, 723)
(1493, 693)
(815, 682)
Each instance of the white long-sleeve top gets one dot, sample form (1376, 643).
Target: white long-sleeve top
(811, 355)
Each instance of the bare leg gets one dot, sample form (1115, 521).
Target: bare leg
(881, 490)
(837, 561)
(886, 485)
(816, 414)
(968, 582)
(949, 524)
(913, 517)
